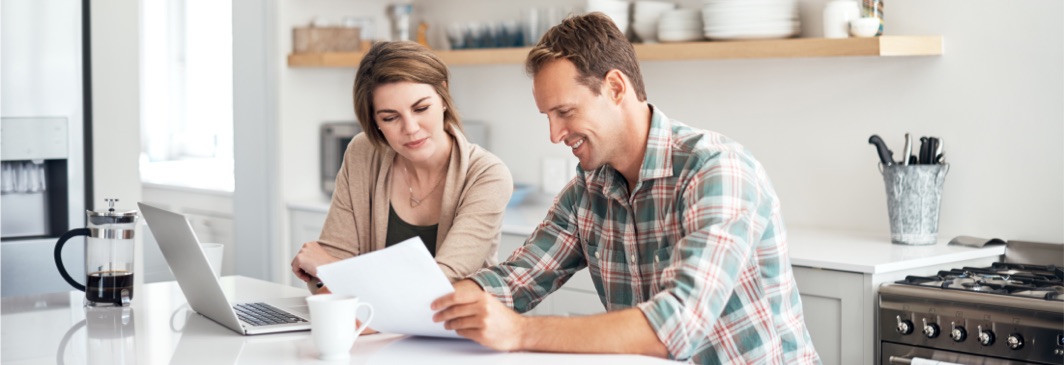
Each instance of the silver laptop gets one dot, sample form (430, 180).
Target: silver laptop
(204, 293)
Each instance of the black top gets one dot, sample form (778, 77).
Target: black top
(399, 231)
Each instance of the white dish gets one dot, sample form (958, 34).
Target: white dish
(864, 27)
(607, 5)
(654, 8)
(679, 36)
(676, 14)
(752, 26)
(752, 34)
(680, 25)
(648, 33)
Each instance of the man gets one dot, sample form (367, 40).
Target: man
(679, 227)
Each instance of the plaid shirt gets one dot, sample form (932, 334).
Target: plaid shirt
(699, 248)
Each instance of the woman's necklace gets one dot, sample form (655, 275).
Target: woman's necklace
(414, 202)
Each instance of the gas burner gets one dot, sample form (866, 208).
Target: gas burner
(1028, 281)
(978, 285)
(1055, 292)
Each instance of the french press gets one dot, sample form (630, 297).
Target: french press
(108, 256)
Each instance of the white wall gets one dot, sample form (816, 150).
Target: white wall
(115, 47)
(996, 98)
(310, 96)
(115, 28)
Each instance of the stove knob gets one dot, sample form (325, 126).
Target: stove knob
(958, 334)
(904, 326)
(931, 330)
(986, 338)
(1015, 341)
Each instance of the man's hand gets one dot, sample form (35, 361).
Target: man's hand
(305, 264)
(480, 317)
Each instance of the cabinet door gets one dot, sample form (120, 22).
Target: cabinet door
(304, 226)
(568, 302)
(834, 303)
(215, 229)
(509, 244)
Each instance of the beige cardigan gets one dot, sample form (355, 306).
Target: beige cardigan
(478, 186)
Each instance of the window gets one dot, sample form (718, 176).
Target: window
(187, 93)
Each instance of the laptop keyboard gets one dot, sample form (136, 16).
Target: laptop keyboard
(262, 314)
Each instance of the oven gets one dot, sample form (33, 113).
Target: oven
(335, 136)
(1006, 313)
(334, 140)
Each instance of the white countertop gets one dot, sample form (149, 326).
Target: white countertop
(159, 328)
(852, 251)
(873, 253)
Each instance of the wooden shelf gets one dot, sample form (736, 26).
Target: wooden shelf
(886, 46)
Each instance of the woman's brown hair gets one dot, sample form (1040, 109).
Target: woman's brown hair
(388, 62)
(595, 45)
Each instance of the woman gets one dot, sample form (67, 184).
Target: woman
(411, 172)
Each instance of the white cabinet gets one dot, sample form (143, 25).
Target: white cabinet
(216, 228)
(210, 213)
(304, 224)
(840, 307)
(832, 302)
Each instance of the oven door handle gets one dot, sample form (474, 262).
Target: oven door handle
(901, 360)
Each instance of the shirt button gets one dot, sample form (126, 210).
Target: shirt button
(655, 259)
(596, 254)
(633, 258)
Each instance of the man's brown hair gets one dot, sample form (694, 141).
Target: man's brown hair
(595, 45)
(388, 62)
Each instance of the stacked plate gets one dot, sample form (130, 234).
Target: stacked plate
(680, 25)
(615, 9)
(645, 16)
(750, 19)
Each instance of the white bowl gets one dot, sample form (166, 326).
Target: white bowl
(677, 14)
(647, 32)
(685, 24)
(864, 27)
(650, 10)
(679, 36)
(607, 6)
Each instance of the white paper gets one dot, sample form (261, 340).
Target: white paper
(400, 281)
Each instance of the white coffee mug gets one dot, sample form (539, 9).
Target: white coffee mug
(837, 17)
(215, 253)
(332, 324)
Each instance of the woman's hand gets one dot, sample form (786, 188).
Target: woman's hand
(310, 256)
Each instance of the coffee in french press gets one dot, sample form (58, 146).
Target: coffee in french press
(109, 250)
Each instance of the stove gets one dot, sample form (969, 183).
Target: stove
(1007, 313)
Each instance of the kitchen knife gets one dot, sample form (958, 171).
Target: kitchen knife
(923, 158)
(938, 151)
(932, 146)
(886, 157)
(908, 151)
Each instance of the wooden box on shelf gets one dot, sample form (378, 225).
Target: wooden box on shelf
(326, 39)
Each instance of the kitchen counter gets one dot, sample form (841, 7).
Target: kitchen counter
(159, 328)
(852, 251)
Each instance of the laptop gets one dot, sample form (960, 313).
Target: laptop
(204, 293)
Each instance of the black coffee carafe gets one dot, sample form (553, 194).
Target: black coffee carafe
(109, 256)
